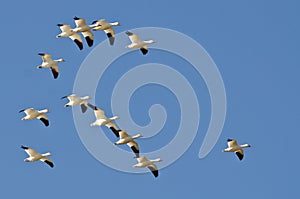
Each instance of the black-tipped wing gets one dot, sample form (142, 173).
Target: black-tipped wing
(129, 33)
(111, 38)
(24, 147)
(89, 41)
(83, 108)
(136, 151)
(79, 44)
(144, 51)
(47, 161)
(45, 121)
(115, 131)
(240, 155)
(55, 72)
(154, 171)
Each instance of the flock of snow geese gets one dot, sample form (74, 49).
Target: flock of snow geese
(101, 118)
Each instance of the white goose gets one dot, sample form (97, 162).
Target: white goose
(102, 120)
(66, 31)
(102, 24)
(136, 42)
(126, 139)
(144, 162)
(35, 156)
(85, 29)
(237, 149)
(31, 114)
(48, 62)
(74, 100)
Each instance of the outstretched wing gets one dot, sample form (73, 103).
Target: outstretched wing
(55, 71)
(153, 169)
(47, 161)
(83, 108)
(31, 152)
(134, 147)
(134, 38)
(44, 119)
(240, 154)
(111, 35)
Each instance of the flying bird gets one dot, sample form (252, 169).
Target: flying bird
(102, 120)
(35, 156)
(31, 114)
(234, 147)
(102, 24)
(126, 139)
(144, 162)
(48, 62)
(74, 100)
(66, 31)
(137, 43)
(85, 30)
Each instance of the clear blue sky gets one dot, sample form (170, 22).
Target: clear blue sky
(255, 45)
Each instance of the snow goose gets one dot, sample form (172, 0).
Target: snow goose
(74, 100)
(102, 120)
(35, 156)
(234, 147)
(136, 42)
(85, 29)
(66, 31)
(144, 162)
(48, 62)
(31, 114)
(102, 24)
(126, 139)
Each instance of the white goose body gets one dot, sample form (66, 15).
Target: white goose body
(144, 162)
(137, 43)
(74, 100)
(35, 156)
(85, 29)
(48, 62)
(66, 31)
(102, 24)
(101, 119)
(235, 148)
(31, 114)
(126, 139)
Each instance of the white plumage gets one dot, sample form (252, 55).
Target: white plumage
(48, 62)
(85, 30)
(137, 43)
(74, 100)
(31, 114)
(66, 31)
(234, 147)
(144, 162)
(102, 24)
(126, 139)
(35, 156)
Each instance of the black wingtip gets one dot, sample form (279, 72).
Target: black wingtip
(22, 110)
(229, 140)
(136, 151)
(129, 33)
(144, 51)
(83, 108)
(24, 147)
(41, 54)
(64, 97)
(239, 155)
(155, 173)
(76, 18)
(49, 163)
(89, 41)
(94, 21)
(111, 38)
(60, 24)
(55, 73)
(79, 44)
(115, 131)
(46, 122)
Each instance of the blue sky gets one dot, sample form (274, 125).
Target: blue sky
(253, 43)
